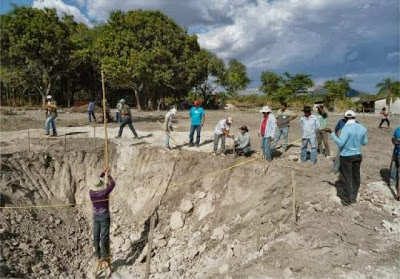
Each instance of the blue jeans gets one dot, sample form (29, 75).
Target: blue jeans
(304, 146)
(336, 162)
(50, 122)
(198, 130)
(266, 148)
(101, 235)
(279, 132)
(127, 121)
(91, 114)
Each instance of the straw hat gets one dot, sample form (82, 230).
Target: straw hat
(99, 184)
(265, 109)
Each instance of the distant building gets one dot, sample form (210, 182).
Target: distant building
(393, 108)
(375, 105)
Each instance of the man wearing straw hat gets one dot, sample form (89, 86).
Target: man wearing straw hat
(99, 195)
(309, 128)
(267, 132)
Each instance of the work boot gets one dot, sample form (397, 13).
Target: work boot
(191, 144)
(197, 145)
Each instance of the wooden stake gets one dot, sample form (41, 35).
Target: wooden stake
(105, 121)
(149, 247)
(29, 142)
(94, 135)
(294, 198)
(65, 139)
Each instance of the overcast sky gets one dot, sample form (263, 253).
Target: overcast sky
(325, 38)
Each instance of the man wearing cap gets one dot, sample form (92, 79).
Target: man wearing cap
(352, 136)
(309, 127)
(267, 132)
(322, 135)
(242, 144)
(126, 119)
(168, 126)
(197, 119)
(99, 195)
(222, 132)
(283, 118)
(51, 115)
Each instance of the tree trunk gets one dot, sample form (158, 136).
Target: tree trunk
(137, 96)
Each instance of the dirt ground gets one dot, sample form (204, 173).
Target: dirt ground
(221, 216)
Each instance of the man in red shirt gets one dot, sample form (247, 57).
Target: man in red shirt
(267, 132)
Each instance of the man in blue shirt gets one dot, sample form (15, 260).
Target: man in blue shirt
(198, 117)
(396, 159)
(90, 110)
(352, 136)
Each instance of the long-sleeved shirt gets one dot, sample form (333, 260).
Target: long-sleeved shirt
(243, 140)
(269, 129)
(352, 136)
(323, 120)
(309, 126)
(91, 106)
(100, 198)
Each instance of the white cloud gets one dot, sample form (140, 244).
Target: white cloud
(326, 38)
(62, 8)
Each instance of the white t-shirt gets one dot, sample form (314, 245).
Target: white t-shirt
(220, 126)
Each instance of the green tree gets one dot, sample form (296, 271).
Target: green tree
(235, 78)
(141, 50)
(390, 89)
(35, 41)
(270, 83)
(337, 89)
(212, 72)
(297, 84)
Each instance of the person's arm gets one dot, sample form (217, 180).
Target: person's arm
(317, 124)
(166, 120)
(364, 140)
(226, 133)
(273, 126)
(340, 141)
(204, 120)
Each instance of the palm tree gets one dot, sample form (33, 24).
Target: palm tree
(388, 87)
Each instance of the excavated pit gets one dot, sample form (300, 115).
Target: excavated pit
(237, 223)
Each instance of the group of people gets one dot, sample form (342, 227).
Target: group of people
(348, 135)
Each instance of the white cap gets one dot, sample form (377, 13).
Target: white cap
(49, 97)
(229, 120)
(173, 111)
(265, 109)
(349, 113)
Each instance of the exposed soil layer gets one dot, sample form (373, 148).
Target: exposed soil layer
(219, 217)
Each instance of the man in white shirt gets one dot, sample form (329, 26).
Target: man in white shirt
(168, 127)
(309, 128)
(267, 132)
(222, 132)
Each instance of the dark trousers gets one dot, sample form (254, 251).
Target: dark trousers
(101, 235)
(384, 120)
(91, 114)
(350, 171)
(193, 128)
(127, 121)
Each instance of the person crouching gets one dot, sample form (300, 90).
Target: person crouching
(242, 144)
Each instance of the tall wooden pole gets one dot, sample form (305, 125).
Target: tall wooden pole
(149, 247)
(105, 120)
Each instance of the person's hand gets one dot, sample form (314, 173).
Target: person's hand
(107, 170)
(328, 130)
(272, 138)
